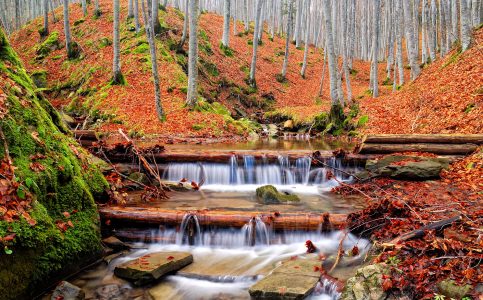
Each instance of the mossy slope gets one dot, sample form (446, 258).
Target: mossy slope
(65, 180)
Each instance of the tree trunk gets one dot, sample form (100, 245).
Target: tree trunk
(84, 7)
(68, 42)
(424, 138)
(287, 39)
(307, 37)
(46, 17)
(117, 77)
(375, 48)
(465, 26)
(255, 42)
(137, 26)
(155, 17)
(411, 40)
(331, 54)
(185, 25)
(246, 15)
(130, 10)
(154, 65)
(443, 149)
(225, 41)
(192, 97)
(399, 24)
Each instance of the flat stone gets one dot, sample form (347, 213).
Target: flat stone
(300, 266)
(151, 267)
(283, 286)
(67, 291)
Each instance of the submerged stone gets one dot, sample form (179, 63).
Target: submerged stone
(268, 194)
(294, 279)
(151, 267)
(115, 243)
(67, 291)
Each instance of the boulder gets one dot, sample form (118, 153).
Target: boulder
(151, 267)
(268, 194)
(366, 284)
(408, 167)
(139, 177)
(179, 186)
(272, 130)
(67, 291)
(294, 279)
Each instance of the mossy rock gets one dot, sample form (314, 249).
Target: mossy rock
(69, 183)
(268, 194)
(407, 167)
(50, 44)
(40, 78)
(452, 290)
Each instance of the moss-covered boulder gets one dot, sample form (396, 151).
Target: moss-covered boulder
(50, 44)
(59, 229)
(40, 78)
(268, 194)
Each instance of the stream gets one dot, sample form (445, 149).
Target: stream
(227, 261)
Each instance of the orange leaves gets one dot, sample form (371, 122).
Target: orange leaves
(36, 167)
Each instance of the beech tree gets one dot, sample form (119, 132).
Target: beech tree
(155, 17)
(307, 38)
(185, 25)
(117, 77)
(192, 97)
(154, 63)
(225, 41)
(70, 46)
(45, 30)
(287, 40)
(255, 42)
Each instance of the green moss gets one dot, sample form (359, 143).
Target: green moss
(78, 22)
(40, 78)
(227, 51)
(210, 68)
(268, 194)
(51, 43)
(104, 42)
(143, 47)
(70, 182)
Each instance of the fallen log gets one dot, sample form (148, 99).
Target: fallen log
(421, 231)
(443, 149)
(225, 156)
(423, 138)
(224, 219)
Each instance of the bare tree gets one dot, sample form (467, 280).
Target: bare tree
(192, 97)
(225, 41)
(307, 38)
(255, 42)
(375, 48)
(287, 39)
(45, 30)
(465, 26)
(411, 40)
(117, 77)
(154, 65)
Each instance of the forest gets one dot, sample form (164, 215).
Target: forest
(241, 149)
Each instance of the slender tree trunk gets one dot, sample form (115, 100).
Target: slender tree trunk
(54, 19)
(399, 52)
(84, 7)
(255, 42)
(322, 80)
(287, 39)
(185, 24)
(46, 17)
(155, 17)
(246, 14)
(192, 97)
(137, 26)
(375, 48)
(465, 25)
(130, 10)
(154, 65)
(298, 24)
(331, 54)
(411, 41)
(307, 37)
(117, 77)
(225, 41)
(68, 42)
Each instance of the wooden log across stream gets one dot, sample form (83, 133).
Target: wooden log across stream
(224, 219)
(443, 144)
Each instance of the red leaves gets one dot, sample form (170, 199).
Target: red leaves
(355, 251)
(36, 167)
(195, 186)
(170, 257)
(387, 284)
(310, 247)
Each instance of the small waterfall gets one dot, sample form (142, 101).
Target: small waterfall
(190, 231)
(249, 171)
(256, 232)
(326, 290)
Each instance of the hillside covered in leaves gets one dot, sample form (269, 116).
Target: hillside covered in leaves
(447, 95)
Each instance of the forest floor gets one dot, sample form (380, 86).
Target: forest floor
(446, 98)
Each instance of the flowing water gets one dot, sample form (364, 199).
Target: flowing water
(227, 261)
